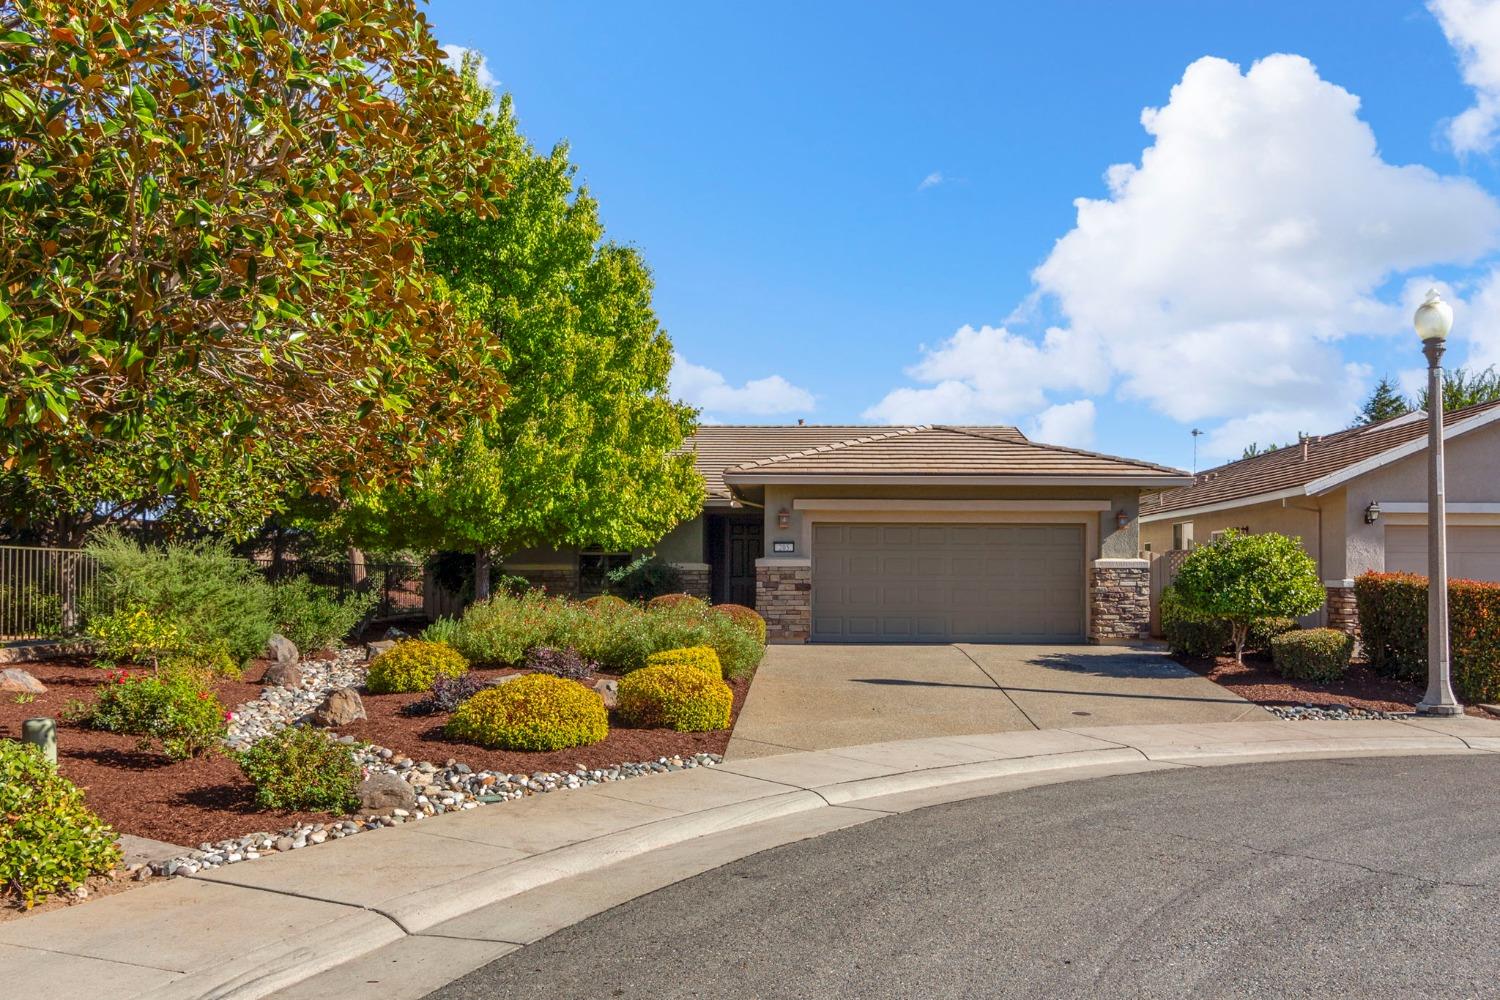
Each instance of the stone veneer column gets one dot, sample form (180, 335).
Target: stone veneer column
(783, 596)
(1119, 600)
(559, 580)
(694, 578)
(1343, 611)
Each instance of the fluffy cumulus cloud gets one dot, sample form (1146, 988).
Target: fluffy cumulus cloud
(1070, 424)
(932, 180)
(456, 53)
(1216, 279)
(1473, 29)
(990, 374)
(711, 392)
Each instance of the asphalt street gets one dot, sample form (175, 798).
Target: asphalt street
(1371, 877)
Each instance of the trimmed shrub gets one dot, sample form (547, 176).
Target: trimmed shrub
(677, 601)
(644, 578)
(1314, 654)
(176, 708)
(535, 712)
(1244, 578)
(1189, 633)
(1264, 630)
(565, 663)
(1393, 623)
(302, 768)
(679, 697)
(605, 601)
(50, 840)
(500, 631)
(412, 665)
(698, 657)
(746, 618)
(202, 588)
(1393, 628)
(315, 617)
(447, 694)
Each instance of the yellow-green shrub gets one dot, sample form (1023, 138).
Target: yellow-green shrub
(49, 840)
(412, 665)
(678, 697)
(747, 619)
(535, 712)
(605, 602)
(676, 601)
(698, 657)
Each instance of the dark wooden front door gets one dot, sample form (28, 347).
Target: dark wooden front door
(743, 541)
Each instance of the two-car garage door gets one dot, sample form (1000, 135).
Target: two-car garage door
(1473, 550)
(948, 582)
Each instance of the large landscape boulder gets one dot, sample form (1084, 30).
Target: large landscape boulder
(14, 680)
(280, 649)
(287, 675)
(341, 707)
(609, 690)
(382, 791)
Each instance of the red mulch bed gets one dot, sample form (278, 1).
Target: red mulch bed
(145, 792)
(1257, 680)
(420, 737)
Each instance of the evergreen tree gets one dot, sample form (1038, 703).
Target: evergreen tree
(1383, 403)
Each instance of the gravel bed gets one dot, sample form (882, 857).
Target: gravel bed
(449, 787)
(1330, 712)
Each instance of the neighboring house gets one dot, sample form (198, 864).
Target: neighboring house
(1356, 499)
(906, 534)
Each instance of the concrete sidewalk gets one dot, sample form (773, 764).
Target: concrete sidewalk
(821, 696)
(407, 909)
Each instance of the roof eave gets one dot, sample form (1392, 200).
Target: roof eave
(763, 478)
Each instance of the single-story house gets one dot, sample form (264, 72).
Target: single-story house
(906, 534)
(1357, 499)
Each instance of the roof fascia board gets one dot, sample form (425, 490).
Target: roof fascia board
(826, 479)
(961, 506)
(1342, 476)
(1214, 508)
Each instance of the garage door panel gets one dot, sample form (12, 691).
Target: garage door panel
(937, 582)
(1473, 550)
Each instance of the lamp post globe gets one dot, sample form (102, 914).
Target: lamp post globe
(1433, 320)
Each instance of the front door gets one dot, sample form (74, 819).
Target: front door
(743, 540)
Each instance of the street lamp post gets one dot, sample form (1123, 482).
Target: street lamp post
(1433, 320)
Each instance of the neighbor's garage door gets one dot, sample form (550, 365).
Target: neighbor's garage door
(1473, 550)
(947, 582)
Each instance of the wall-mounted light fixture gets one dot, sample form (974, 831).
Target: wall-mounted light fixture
(1121, 519)
(1372, 513)
(783, 518)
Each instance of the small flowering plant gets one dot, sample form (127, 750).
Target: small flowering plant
(176, 709)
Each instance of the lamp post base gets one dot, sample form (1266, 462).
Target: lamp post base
(1439, 709)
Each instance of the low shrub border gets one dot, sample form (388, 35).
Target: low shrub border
(1315, 654)
(1393, 629)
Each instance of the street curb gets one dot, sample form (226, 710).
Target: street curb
(768, 792)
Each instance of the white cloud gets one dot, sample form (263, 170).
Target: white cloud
(1473, 29)
(932, 180)
(710, 391)
(1069, 424)
(456, 53)
(990, 374)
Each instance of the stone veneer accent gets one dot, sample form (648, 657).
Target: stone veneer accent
(783, 596)
(1119, 600)
(694, 579)
(1343, 611)
(559, 581)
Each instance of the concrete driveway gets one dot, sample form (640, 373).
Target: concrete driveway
(820, 696)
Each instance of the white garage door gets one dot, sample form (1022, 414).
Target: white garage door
(947, 582)
(1473, 550)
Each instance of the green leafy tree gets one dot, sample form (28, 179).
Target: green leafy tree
(212, 228)
(1243, 578)
(1462, 387)
(1384, 402)
(587, 450)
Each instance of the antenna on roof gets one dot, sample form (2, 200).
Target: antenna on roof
(1196, 435)
(801, 422)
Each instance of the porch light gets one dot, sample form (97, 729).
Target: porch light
(783, 518)
(1121, 519)
(1372, 513)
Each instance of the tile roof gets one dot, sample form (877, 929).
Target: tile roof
(717, 447)
(946, 452)
(1295, 466)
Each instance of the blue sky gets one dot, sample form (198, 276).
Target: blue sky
(867, 211)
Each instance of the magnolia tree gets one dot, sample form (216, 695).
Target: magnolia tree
(1242, 578)
(213, 224)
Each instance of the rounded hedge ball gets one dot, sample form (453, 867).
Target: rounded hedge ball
(535, 712)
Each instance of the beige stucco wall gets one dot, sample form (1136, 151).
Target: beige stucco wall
(1315, 521)
(1114, 542)
(1472, 472)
